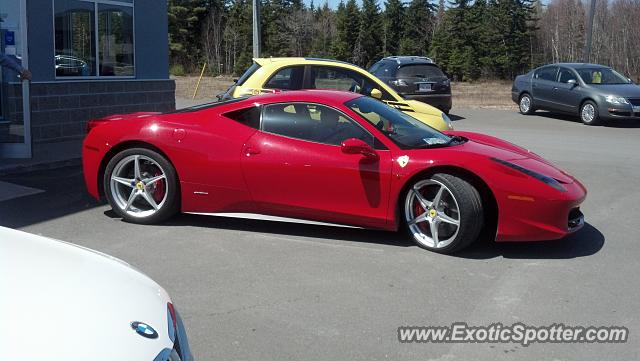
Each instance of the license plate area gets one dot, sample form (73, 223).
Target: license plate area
(424, 87)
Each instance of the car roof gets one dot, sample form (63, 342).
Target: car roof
(579, 65)
(329, 97)
(284, 61)
(409, 59)
(264, 61)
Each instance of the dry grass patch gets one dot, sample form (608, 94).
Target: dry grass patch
(490, 94)
(209, 86)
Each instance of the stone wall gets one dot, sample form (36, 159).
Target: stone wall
(60, 110)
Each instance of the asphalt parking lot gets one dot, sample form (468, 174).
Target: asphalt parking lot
(258, 290)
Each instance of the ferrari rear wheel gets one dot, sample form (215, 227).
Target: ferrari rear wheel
(443, 213)
(141, 186)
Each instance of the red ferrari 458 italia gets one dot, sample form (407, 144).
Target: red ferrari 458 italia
(331, 157)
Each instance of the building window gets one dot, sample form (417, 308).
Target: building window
(81, 51)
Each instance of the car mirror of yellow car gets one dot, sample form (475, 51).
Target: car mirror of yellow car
(376, 93)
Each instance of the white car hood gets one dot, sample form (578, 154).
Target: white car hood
(64, 302)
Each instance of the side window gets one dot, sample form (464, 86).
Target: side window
(288, 78)
(566, 75)
(312, 122)
(326, 77)
(384, 69)
(377, 68)
(547, 73)
(247, 116)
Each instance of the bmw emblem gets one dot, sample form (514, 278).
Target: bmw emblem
(144, 330)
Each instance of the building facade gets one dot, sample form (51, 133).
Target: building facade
(88, 59)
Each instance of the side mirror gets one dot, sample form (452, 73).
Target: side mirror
(376, 93)
(357, 146)
(572, 82)
(630, 81)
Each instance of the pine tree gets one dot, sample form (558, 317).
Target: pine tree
(324, 32)
(238, 36)
(508, 30)
(347, 29)
(454, 46)
(369, 41)
(275, 36)
(184, 18)
(393, 27)
(418, 28)
(440, 15)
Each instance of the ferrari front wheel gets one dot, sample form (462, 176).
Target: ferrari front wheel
(443, 213)
(141, 186)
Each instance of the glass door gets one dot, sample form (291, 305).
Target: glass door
(15, 126)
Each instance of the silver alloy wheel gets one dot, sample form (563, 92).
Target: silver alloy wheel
(432, 214)
(525, 104)
(135, 180)
(588, 113)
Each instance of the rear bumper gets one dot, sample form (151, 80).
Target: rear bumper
(440, 101)
(92, 155)
(515, 96)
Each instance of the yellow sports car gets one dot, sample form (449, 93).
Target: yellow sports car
(268, 74)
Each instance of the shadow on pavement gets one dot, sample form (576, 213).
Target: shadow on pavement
(612, 123)
(454, 117)
(586, 242)
(64, 194)
(292, 229)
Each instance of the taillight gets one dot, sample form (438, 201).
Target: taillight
(173, 321)
(398, 82)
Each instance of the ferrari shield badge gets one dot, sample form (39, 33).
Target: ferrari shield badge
(403, 161)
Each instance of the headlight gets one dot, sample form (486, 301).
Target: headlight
(612, 99)
(541, 177)
(447, 120)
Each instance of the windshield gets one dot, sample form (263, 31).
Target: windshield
(599, 76)
(420, 71)
(407, 132)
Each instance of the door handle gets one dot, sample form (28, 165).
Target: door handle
(249, 151)
(555, 88)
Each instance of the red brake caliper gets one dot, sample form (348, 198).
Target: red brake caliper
(158, 189)
(418, 210)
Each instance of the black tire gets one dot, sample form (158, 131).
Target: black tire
(525, 104)
(584, 113)
(170, 203)
(470, 214)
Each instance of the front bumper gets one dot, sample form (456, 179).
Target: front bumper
(618, 111)
(181, 350)
(440, 101)
(541, 219)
